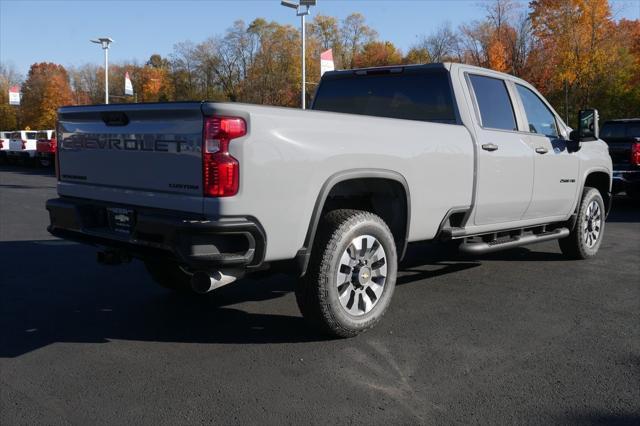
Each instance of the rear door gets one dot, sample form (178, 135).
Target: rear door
(147, 154)
(556, 166)
(505, 161)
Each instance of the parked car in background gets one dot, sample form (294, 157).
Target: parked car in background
(46, 147)
(22, 145)
(623, 138)
(5, 136)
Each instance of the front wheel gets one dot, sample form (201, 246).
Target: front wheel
(351, 276)
(584, 240)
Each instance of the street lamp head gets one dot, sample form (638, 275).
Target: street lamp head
(290, 4)
(308, 2)
(103, 41)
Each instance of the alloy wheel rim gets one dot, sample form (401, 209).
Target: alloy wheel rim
(362, 274)
(592, 225)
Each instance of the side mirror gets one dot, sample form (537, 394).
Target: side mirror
(588, 126)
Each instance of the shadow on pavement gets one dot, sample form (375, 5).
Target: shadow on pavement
(54, 291)
(610, 419)
(57, 293)
(624, 209)
(28, 169)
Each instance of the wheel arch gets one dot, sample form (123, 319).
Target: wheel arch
(599, 179)
(346, 184)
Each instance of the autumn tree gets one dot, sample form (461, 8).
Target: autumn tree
(354, 34)
(274, 77)
(417, 55)
(9, 77)
(87, 83)
(581, 49)
(45, 90)
(183, 71)
(441, 45)
(377, 53)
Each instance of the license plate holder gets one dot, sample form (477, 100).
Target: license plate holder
(121, 220)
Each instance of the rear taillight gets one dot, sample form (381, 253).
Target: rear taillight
(220, 171)
(635, 153)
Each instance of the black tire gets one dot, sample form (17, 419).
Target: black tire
(44, 162)
(581, 244)
(318, 292)
(169, 275)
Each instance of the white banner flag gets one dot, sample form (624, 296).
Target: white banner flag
(326, 62)
(14, 95)
(128, 87)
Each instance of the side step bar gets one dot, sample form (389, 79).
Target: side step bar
(516, 241)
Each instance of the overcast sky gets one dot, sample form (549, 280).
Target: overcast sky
(59, 31)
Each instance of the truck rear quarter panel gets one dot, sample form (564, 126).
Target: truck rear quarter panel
(289, 154)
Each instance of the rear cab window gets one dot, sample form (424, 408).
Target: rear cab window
(422, 95)
(494, 103)
(42, 135)
(31, 135)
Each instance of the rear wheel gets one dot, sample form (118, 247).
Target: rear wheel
(351, 276)
(584, 240)
(44, 162)
(169, 275)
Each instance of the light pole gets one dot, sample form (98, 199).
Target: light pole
(105, 42)
(302, 10)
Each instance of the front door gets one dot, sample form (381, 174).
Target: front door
(556, 166)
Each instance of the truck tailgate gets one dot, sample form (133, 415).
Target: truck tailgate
(119, 149)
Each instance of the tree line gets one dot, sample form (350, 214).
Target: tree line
(573, 51)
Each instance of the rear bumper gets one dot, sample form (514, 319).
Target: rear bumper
(624, 180)
(198, 242)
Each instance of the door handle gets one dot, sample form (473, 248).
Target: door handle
(541, 150)
(490, 147)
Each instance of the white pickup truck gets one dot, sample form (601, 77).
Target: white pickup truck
(206, 192)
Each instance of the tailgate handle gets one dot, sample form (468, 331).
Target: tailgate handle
(115, 118)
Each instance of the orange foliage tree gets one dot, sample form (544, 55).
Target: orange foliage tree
(45, 90)
(377, 53)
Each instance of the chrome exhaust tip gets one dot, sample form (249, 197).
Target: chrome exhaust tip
(203, 282)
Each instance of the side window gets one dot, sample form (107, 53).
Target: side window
(496, 110)
(541, 119)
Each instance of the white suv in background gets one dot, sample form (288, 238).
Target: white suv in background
(22, 144)
(4, 143)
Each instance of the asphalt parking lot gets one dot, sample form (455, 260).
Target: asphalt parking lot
(521, 336)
